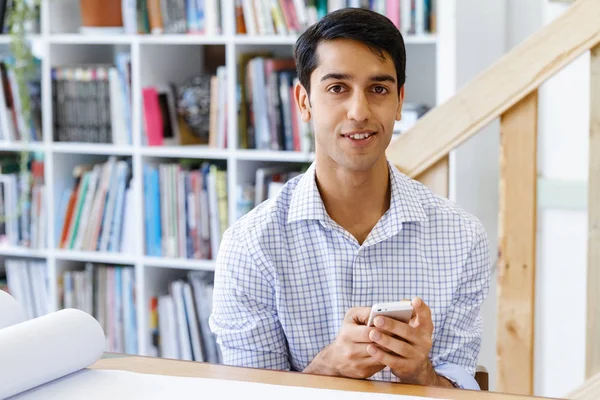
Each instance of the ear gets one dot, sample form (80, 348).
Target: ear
(302, 101)
(400, 103)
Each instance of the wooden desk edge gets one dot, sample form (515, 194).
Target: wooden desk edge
(161, 366)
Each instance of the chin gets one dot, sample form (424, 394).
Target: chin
(359, 163)
(352, 161)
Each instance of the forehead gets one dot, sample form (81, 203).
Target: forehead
(352, 57)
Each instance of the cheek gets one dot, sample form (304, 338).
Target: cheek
(385, 115)
(326, 118)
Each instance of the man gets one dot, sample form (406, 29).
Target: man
(296, 277)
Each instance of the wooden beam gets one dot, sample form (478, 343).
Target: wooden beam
(436, 177)
(497, 89)
(517, 230)
(592, 364)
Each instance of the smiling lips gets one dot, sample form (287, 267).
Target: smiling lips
(360, 139)
(359, 135)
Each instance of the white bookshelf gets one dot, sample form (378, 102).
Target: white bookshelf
(156, 60)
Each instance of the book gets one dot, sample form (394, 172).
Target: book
(284, 17)
(27, 282)
(92, 102)
(179, 320)
(269, 116)
(107, 292)
(94, 216)
(22, 196)
(185, 209)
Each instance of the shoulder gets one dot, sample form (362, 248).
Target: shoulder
(445, 215)
(451, 233)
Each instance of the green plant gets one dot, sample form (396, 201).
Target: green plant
(21, 17)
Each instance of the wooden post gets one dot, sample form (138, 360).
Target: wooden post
(436, 177)
(517, 230)
(592, 365)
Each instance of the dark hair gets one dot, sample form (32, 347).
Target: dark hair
(365, 26)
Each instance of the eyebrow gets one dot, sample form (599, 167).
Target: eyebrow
(348, 77)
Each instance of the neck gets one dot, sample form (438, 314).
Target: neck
(354, 199)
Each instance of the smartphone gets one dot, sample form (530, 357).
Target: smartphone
(398, 310)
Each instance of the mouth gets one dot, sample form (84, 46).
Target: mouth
(358, 136)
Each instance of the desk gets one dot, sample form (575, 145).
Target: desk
(160, 366)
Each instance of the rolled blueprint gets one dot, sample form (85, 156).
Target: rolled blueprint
(43, 349)
(11, 312)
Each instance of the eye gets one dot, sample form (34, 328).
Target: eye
(380, 90)
(336, 89)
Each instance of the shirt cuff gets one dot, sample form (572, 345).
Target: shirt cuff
(457, 375)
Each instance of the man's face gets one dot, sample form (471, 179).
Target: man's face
(354, 102)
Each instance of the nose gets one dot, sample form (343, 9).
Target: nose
(358, 107)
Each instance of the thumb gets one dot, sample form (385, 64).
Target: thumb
(421, 314)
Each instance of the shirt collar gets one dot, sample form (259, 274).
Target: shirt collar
(306, 203)
(405, 206)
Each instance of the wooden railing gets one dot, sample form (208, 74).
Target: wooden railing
(509, 90)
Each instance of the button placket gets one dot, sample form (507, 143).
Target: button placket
(361, 282)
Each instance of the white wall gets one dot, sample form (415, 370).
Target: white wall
(562, 234)
(562, 155)
(524, 18)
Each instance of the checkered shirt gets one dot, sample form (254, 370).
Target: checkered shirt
(287, 273)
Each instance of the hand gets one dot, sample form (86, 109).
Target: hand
(405, 347)
(348, 356)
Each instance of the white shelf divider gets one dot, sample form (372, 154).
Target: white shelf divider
(291, 39)
(183, 39)
(265, 39)
(75, 38)
(268, 155)
(93, 256)
(12, 251)
(179, 263)
(43, 48)
(198, 152)
(138, 198)
(21, 146)
(92, 148)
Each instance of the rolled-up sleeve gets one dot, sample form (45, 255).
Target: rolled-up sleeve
(244, 317)
(457, 375)
(456, 350)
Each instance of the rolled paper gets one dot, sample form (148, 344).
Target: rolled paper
(43, 349)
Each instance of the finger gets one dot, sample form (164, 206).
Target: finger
(369, 361)
(358, 352)
(358, 315)
(397, 328)
(364, 355)
(357, 333)
(394, 345)
(395, 362)
(423, 314)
